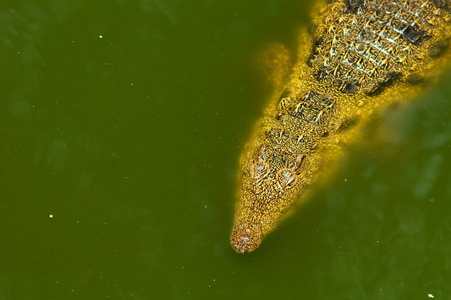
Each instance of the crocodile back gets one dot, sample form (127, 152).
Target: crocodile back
(364, 44)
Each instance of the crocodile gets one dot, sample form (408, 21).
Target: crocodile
(355, 59)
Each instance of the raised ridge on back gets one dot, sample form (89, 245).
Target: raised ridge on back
(363, 44)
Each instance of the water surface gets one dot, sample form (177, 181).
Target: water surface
(121, 124)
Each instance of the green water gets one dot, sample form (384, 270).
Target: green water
(121, 124)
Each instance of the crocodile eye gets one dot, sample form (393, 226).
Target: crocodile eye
(259, 170)
(286, 178)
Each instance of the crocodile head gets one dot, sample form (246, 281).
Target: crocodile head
(268, 180)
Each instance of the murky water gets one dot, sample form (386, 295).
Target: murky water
(121, 123)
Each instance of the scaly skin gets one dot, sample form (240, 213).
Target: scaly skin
(362, 56)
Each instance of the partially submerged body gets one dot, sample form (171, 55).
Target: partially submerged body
(362, 56)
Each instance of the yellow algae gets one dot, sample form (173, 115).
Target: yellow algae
(275, 63)
(361, 56)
